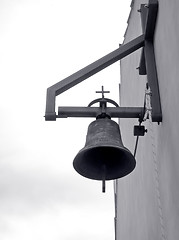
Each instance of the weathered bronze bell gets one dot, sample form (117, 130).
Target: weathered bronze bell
(104, 156)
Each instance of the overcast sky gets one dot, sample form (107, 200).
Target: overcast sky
(42, 42)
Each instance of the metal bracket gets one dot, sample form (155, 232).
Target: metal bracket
(139, 130)
(147, 61)
(87, 72)
(148, 16)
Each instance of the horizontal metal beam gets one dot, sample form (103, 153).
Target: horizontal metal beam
(113, 112)
(87, 72)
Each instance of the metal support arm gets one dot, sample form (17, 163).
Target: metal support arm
(147, 66)
(87, 72)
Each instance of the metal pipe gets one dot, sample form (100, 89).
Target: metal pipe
(113, 112)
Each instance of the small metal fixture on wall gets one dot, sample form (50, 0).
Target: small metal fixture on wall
(108, 158)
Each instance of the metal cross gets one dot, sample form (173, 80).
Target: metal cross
(102, 91)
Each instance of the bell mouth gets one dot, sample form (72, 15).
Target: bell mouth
(118, 162)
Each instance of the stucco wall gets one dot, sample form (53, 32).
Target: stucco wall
(148, 198)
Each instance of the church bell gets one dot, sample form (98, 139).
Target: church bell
(104, 156)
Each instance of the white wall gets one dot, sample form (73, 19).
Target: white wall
(148, 198)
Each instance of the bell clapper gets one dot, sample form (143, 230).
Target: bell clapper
(103, 186)
(104, 178)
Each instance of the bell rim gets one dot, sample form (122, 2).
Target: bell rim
(132, 162)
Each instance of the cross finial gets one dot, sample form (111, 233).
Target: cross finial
(102, 91)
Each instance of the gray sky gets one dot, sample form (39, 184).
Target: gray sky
(42, 42)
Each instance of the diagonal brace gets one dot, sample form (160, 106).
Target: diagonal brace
(87, 72)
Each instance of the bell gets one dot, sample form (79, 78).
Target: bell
(104, 156)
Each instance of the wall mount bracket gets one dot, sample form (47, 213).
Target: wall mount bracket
(147, 66)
